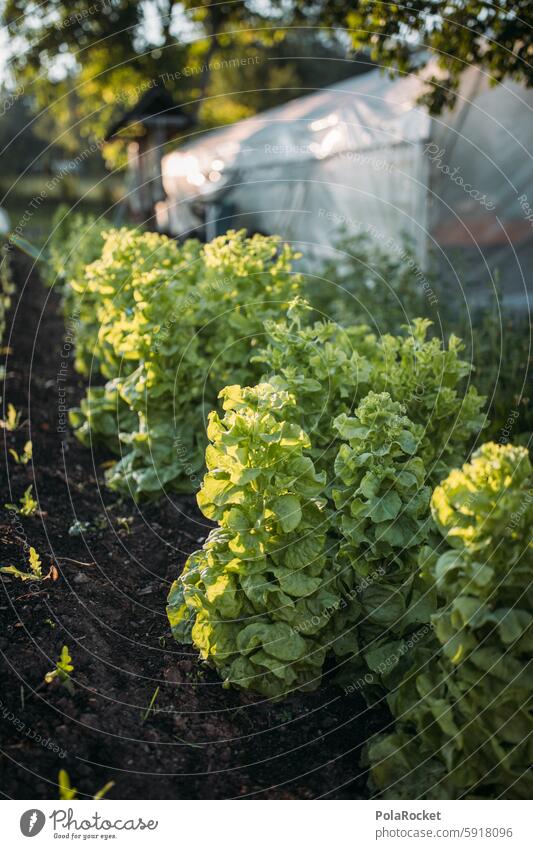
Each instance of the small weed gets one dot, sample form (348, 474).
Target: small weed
(187, 743)
(35, 573)
(78, 528)
(150, 708)
(196, 674)
(100, 794)
(12, 420)
(124, 523)
(51, 623)
(68, 792)
(28, 504)
(64, 667)
(285, 715)
(26, 455)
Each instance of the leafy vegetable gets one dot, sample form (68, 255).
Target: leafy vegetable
(331, 368)
(380, 283)
(464, 721)
(382, 518)
(77, 240)
(376, 281)
(169, 325)
(264, 571)
(371, 456)
(281, 554)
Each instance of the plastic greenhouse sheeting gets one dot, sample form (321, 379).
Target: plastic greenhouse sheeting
(364, 157)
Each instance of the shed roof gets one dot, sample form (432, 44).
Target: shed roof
(154, 107)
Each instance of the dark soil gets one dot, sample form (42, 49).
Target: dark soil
(107, 604)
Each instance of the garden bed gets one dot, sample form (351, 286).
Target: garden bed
(108, 606)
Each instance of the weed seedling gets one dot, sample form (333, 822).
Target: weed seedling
(103, 790)
(64, 667)
(12, 420)
(68, 792)
(150, 708)
(77, 529)
(26, 455)
(124, 524)
(28, 504)
(35, 565)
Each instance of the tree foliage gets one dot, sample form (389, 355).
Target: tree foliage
(82, 66)
(460, 33)
(494, 36)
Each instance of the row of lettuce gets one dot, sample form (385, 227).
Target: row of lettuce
(345, 534)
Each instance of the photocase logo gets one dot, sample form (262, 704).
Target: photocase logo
(32, 822)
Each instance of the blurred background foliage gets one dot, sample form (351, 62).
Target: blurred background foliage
(77, 63)
(79, 66)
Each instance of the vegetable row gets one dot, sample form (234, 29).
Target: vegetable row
(345, 533)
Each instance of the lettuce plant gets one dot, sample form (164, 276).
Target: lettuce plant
(77, 240)
(102, 416)
(464, 723)
(371, 455)
(331, 368)
(130, 264)
(428, 378)
(168, 325)
(327, 368)
(264, 571)
(284, 571)
(382, 512)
